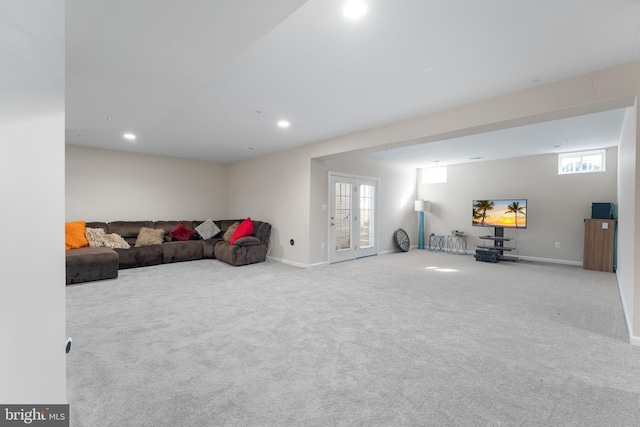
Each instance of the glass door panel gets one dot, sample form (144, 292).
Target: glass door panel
(352, 218)
(367, 211)
(342, 216)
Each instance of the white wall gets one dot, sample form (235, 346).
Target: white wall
(556, 204)
(396, 194)
(32, 292)
(275, 188)
(629, 223)
(109, 185)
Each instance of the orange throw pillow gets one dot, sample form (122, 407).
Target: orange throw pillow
(244, 229)
(75, 235)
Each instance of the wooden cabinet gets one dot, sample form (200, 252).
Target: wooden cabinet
(599, 244)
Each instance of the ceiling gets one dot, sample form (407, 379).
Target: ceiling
(579, 133)
(210, 79)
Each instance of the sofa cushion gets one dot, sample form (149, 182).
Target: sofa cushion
(182, 232)
(244, 229)
(263, 231)
(97, 224)
(168, 227)
(75, 235)
(247, 241)
(237, 255)
(207, 229)
(187, 250)
(149, 236)
(208, 247)
(139, 257)
(128, 229)
(229, 233)
(88, 264)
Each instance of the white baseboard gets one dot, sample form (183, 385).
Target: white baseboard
(319, 264)
(297, 264)
(520, 257)
(633, 340)
(392, 251)
(550, 260)
(287, 262)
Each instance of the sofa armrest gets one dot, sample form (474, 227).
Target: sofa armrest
(247, 241)
(263, 232)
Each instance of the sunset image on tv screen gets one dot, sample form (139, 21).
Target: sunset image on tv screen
(508, 213)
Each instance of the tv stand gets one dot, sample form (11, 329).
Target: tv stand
(498, 241)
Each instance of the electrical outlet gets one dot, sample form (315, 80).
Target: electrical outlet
(558, 245)
(322, 246)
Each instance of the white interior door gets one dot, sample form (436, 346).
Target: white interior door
(352, 217)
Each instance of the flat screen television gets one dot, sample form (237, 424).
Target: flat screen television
(505, 213)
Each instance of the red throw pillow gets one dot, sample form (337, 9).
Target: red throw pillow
(182, 232)
(244, 229)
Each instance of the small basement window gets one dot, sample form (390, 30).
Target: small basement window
(434, 175)
(581, 162)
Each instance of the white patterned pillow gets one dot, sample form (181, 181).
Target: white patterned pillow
(114, 240)
(207, 229)
(95, 236)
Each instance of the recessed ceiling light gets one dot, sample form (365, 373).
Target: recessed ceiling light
(284, 124)
(475, 158)
(354, 9)
(535, 81)
(129, 136)
(251, 148)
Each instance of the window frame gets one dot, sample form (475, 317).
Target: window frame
(434, 175)
(581, 155)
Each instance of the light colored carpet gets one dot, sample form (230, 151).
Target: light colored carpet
(407, 339)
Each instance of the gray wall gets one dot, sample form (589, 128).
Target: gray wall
(556, 204)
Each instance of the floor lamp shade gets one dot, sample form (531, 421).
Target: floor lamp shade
(421, 206)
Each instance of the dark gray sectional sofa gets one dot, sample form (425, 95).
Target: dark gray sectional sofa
(89, 264)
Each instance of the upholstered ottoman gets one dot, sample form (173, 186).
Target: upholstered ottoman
(88, 264)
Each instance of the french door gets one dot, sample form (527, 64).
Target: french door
(352, 217)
